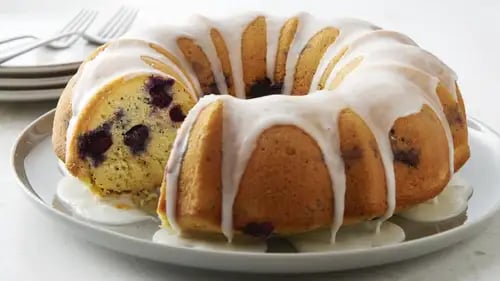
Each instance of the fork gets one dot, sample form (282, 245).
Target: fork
(82, 20)
(70, 33)
(78, 25)
(116, 26)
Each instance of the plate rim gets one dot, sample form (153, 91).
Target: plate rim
(39, 69)
(448, 237)
(19, 83)
(30, 95)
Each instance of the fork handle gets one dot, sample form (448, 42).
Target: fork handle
(35, 45)
(7, 40)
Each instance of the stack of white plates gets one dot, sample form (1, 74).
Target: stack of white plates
(34, 82)
(40, 74)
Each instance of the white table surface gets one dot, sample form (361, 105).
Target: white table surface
(466, 35)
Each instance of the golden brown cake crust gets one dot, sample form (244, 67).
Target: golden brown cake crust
(200, 186)
(63, 111)
(61, 120)
(286, 36)
(421, 167)
(361, 156)
(279, 173)
(199, 63)
(173, 59)
(287, 170)
(199, 193)
(310, 57)
(223, 54)
(253, 53)
(455, 113)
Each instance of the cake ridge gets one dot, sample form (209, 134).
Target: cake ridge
(109, 65)
(382, 77)
(232, 169)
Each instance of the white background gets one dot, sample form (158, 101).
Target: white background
(465, 35)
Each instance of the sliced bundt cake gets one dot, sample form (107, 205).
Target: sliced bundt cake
(315, 124)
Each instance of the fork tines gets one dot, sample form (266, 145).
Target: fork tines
(79, 24)
(118, 24)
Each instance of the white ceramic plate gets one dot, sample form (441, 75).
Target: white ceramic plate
(44, 61)
(32, 82)
(30, 95)
(39, 69)
(36, 168)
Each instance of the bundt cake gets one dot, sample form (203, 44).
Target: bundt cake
(269, 125)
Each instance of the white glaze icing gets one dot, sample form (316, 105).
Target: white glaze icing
(307, 27)
(175, 160)
(450, 203)
(393, 69)
(166, 37)
(119, 60)
(349, 30)
(273, 29)
(210, 243)
(75, 195)
(232, 37)
(399, 76)
(352, 237)
(200, 32)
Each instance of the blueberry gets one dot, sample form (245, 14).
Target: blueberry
(264, 88)
(94, 144)
(136, 138)
(176, 114)
(410, 157)
(160, 91)
(260, 230)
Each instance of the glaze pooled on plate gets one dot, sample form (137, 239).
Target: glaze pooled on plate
(449, 204)
(75, 195)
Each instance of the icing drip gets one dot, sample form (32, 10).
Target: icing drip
(119, 60)
(351, 237)
(349, 30)
(200, 33)
(306, 29)
(251, 114)
(273, 27)
(176, 155)
(206, 242)
(232, 34)
(391, 68)
(166, 37)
